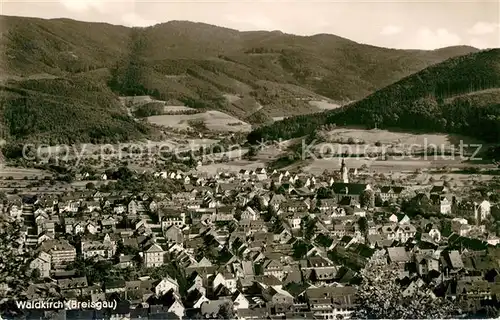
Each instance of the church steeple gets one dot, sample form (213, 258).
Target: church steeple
(344, 172)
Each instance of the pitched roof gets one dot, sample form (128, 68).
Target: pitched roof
(398, 254)
(349, 188)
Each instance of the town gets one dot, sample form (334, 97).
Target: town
(252, 244)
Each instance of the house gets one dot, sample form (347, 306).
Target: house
(249, 214)
(172, 217)
(125, 261)
(92, 248)
(173, 305)
(43, 263)
(274, 268)
(402, 232)
(326, 205)
(226, 279)
(390, 193)
(115, 286)
(351, 190)
(69, 206)
(276, 296)
(261, 174)
(331, 302)
(73, 286)
(294, 221)
(426, 263)
(399, 218)
(153, 256)
(276, 201)
(244, 174)
(240, 301)
(16, 209)
(132, 207)
(174, 235)
(61, 252)
(165, 285)
(443, 202)
(439, 190)
(398, 256)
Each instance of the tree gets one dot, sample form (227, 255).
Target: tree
(308, 227)
(367, 199)
(324, 193)
(300, 249)
(225, 311)
(14, 268)
(299, 183)
(252, 152)
(90, 186)
(257, 203)
(363, 226)
(123, 173)
(381, 297)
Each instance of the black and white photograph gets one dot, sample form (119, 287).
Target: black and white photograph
(249, 159)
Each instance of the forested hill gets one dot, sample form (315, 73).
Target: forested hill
(273, 74)
(460, 95)
(65, 111)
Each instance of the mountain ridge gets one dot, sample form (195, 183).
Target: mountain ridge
(199, 64)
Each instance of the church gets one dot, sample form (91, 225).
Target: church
(345, 189)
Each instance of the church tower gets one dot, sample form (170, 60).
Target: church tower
(344, 173)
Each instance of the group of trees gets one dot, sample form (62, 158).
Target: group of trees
(380, 296)
(15, 274)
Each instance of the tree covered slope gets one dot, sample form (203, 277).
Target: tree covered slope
(460, 95)
(64, 111)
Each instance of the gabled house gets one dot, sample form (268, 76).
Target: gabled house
(165, 285)
(261, 174)
(249, 214)
(153, 256)
(331, 302)
(274, 268)
(43, 263)
(225, 279)
(390, 193)
(240, 301)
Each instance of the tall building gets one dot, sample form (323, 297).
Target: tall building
(344, 172)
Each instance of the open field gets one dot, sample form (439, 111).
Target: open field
(21, 173)
(213, 120)
(317, 166)
(231, 97)
(396, 138)
(236, 154)
(176, 108)
(324, 105)
(233, 166)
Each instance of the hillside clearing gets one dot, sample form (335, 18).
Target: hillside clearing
(213, 120)
(324, 105)
(396, 138)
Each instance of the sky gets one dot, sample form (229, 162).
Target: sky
(406, 24)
